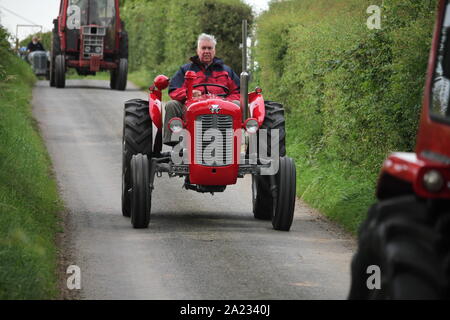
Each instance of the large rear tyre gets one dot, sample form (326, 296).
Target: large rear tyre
(402, 239)
(60, 71)
(262, 195)
(137, 138)
(284, 204)
(140, 191)
(122, 75)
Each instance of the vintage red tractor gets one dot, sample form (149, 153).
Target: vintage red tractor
(89, 35)
(406, 236)
(220, 142)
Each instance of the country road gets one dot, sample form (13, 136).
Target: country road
(198, 246)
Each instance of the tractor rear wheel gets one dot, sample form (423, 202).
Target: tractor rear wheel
(401, 238)
(262, 196)
(121, 75)
(140, 191)
(60, 71)
(137, 138)
(284, 205)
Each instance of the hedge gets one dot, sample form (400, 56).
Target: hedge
(353, 95)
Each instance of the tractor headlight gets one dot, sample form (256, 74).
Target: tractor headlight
(175, 125)
(98, 49)
(251, 125)
(433, 181)
(87, 49)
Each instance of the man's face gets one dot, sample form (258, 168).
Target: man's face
(206, 51)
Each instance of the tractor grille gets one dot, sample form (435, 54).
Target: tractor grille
(93, 41)
(214, 140)
(40, 61)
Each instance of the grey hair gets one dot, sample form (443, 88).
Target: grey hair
(206, 37)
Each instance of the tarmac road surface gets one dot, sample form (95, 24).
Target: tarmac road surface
(198, 246)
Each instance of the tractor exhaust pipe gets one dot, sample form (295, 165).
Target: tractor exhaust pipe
(244, 74)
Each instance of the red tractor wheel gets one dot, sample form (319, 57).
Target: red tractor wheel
(112, 79)
(121, 75)
(137, 138)
(60, 71)
(284, 203)
(55, 50)
(141, 196)
(52, 72)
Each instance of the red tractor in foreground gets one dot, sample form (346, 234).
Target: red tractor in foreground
(219, 142)
(406, 236)
(89, 35)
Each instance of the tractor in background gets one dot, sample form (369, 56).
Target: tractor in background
(89, 35)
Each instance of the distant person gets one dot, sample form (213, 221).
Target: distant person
(35, 45)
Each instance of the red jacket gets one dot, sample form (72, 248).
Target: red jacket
(217, 72)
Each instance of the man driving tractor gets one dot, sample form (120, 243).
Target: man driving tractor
(208, 69)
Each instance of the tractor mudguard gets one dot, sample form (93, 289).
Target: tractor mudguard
(160, 83)
(256, 106)
(409, 170)
(155, 105)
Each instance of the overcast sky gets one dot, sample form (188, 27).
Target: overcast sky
(42, 12)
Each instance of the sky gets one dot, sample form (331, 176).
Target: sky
(42, 12)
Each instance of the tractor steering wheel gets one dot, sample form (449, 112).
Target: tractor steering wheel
(205, 85)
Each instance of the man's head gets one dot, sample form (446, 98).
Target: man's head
(34, 39)
(206, 48)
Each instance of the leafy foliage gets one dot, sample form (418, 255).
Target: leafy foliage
(28, 194)
(163, 34)
(353, 94)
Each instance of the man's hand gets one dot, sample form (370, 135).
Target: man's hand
(196, 93)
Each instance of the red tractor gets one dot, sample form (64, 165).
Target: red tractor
(89, 35)
(406, 236)
(220, 142)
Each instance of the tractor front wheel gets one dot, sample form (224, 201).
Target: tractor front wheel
(262, 198)
(60, 71)
(52, 72)
(140, 191)
(121, 75)
(137, 137)
(112, 78)
(284, 202)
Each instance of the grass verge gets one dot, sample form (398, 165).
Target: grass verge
(29, 200)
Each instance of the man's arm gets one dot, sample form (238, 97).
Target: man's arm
(234, 84)
(177, 90)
